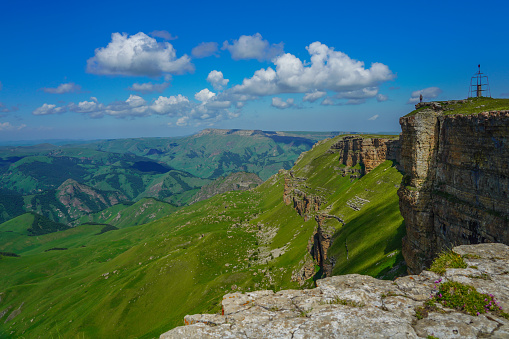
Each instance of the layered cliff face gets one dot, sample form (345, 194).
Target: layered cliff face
(456, 187)
(327, 189)
(366, 152)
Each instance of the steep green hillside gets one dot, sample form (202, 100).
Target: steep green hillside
(140, 281)
(11, 205)
(368, 240)
(239, 181)
(125, 215)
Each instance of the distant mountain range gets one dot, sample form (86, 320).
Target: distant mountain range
(66, 182)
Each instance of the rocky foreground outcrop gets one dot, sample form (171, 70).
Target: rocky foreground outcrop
(456, 185)
(354, 305)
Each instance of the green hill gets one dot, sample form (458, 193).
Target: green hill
(169, 169)
(123, 215)
(140, 281)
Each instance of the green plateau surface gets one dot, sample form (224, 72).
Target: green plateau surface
(470, 106)
(139, 281)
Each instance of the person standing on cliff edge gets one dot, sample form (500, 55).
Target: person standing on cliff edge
(420, 98)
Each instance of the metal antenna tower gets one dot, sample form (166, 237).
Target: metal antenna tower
(478, 84)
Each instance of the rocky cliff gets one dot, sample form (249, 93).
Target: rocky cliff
(354, 157)
(368, 153)
(357, 306)
(456, 185)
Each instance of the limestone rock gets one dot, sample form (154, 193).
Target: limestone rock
(357, 306)
(456, 185)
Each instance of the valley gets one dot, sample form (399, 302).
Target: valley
(131, 262)
(375, 205)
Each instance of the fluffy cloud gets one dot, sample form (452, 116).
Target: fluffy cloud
(328, 70)
(427, 94)
(279, 103)
(149, 87)
(374, 117)
(381, 98)
(205, 49)
(182, 121)
(47, 109)
(204, 95)
(327, 102)
(217, 80)
(69, 87)
(137, 55)
(93, 108)
(6, 126)
(171, 106)
(163, 34)
(313, 96)
(364, 93)
(207, 112)
(253, 47)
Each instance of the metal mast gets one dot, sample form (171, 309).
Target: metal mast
(478, 84)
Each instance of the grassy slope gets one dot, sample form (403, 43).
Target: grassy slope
(164, 270)
(373, 234)
(141, 212)
(472, 106)
(140, 281)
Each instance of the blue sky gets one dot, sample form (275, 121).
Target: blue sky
(97, 69)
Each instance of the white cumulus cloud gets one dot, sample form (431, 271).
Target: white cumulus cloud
(63, 88)
(374, 117)
(205, 49)
(327, 102)
(182, 121)
(427, 94)
(313, 96)
(4, 126)
(204, 95)
(171, 106)
(47, 109)
(253, 47)
(137, 55)
(363, 93)
(279, 103)
(209, 110)
(381, 97)
(217, 80)
(148, 87)
(329, 70)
